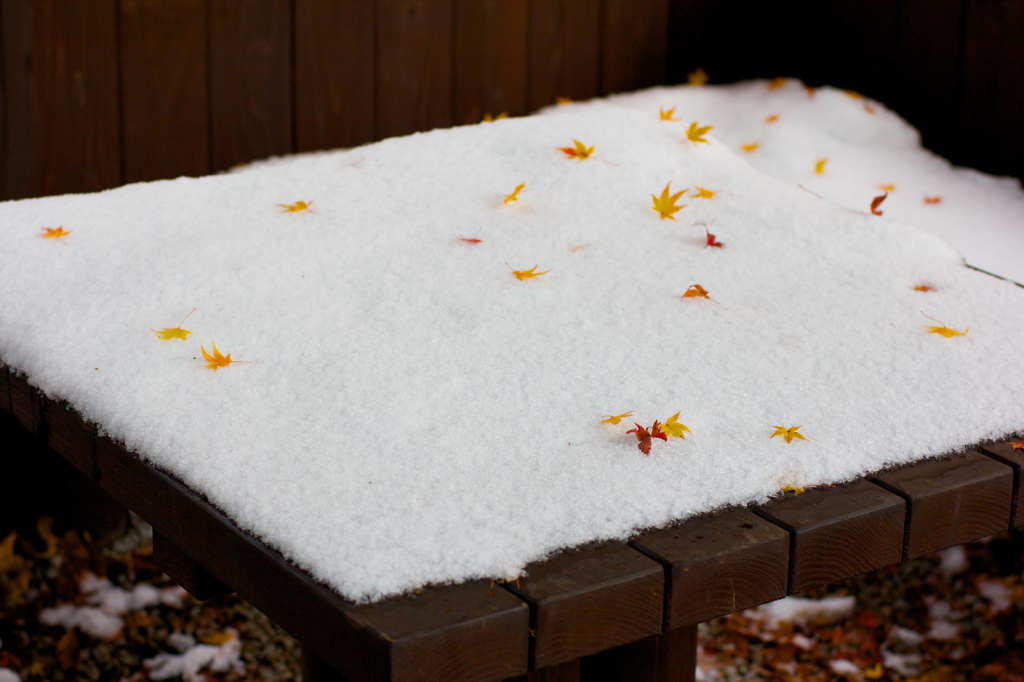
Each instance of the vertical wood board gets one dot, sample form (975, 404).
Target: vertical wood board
(335, 73)
(564, 51)
(250, 80)
(164, 89)
(490, 58)
(634, 44)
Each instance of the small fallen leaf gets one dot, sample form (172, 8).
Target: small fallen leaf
(943, 330)
(750, 147)
(791, 489)
(810, 91)
(703, 193)
(665, 204)
(870, 108)
(932, 200)
(888, 187)
(216, 360)
(675, 429)
(563, 100)
(55, 232)
(771, 119)
(667, 115)
(515, 193)
(819, 165)
(873, 673)
(580, 151)
(876, 202)
(695, 134)
(217, 638)
(711, 240)
(166, 334)
(471, 240)
(616, 418)
(490, 119)
(789, 434)
(697, 78)
(924, 287)
(776, 83)
(697, 291)
(644, 436)
(526, 274)
(852, 94)
(296, 207)
(1016, 445)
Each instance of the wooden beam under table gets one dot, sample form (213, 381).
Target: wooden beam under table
(1011, 454)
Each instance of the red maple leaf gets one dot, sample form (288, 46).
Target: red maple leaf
(711, 240)
(644, 436)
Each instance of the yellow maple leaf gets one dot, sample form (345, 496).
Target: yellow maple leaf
(852, 94)
(514, 196)
(55, 232)
(526, 274)
(296, 207)
(490, 119)
(675, 429)
(166, 334)
(216, 360)
(579, 151)
(697, 78)
(888, 187)
(750, 147)
(695, 134)
(789, 434)
(697, 291)
(873, 673)
(776, 83)
(667, 115)
(943, 330)
(616, 418)
(794, 490)
(665, 204)
(819, 165)
(703, 193)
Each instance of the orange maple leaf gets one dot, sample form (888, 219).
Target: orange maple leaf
(55, 232)
(166, 334)
(217, 360)
(667, 115)
(515, 193)
(703, 193)
(771, 119)
(887, 187)
(580, 151)
(750, 147)
(616, 418)
(924, 287)
(1016, 445)
(932, 200)
(695, 134)
(943, 331)
(876, 202)
(526, 274)
(697, 291)
(697, 78)
(490, 119)
(776, 83)
(665, 204)
(789, 434)
(296, 207)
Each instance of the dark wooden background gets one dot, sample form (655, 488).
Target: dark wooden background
(97, 93)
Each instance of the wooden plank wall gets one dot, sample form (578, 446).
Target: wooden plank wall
(96, 93)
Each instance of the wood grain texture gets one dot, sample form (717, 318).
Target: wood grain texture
(335, 73)
(250, 80)
(992, 102)
(414, 66)
(563, 672)
(589, 599)
(718, 564)
(839, 532)
(670, 656)
(25, 404)
(564, 51)
(68, 435)
(490, 58)
(185, 571)
(951, 501)
(472, 631)
(61, 81)
(634, 44)
(164, 88)
(1012, 456)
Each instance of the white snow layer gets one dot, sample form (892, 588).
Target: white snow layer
(411, 413)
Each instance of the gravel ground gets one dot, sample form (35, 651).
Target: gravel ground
(953, 616)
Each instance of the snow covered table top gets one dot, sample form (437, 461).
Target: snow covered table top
(432, 355)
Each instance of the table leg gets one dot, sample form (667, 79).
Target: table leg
(668, 657)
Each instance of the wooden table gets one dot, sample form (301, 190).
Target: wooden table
(620, 610)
